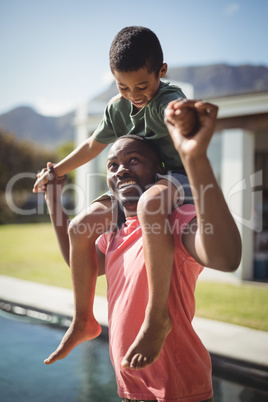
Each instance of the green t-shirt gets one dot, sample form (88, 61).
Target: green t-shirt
(148, 122)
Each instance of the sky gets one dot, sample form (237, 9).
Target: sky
(54, 54)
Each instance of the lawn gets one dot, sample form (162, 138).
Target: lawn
(30, 252)
(245, 305)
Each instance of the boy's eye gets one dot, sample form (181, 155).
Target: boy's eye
(142, 89)
(139, 88)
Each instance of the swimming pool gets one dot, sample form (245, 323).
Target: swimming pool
(84, 376)
(87, 375)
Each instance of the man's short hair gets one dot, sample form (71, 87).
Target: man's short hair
(150, 144)
(136, 47)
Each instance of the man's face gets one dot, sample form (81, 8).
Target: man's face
(138, 86)
(131, 169)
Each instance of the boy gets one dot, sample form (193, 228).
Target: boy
(182, 372)
(136, 61)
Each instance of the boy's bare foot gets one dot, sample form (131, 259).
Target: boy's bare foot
(148, 344)
(79, 331)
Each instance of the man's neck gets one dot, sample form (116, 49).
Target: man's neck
(130, 209)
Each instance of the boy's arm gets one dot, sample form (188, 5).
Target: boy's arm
(217, 242)
(85, 152)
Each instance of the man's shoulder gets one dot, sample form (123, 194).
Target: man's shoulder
(184, 213)
(180, 218)
(104, 240)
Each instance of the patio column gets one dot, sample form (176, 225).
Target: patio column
(87, 185)
(238, 181)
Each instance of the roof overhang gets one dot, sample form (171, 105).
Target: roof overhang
(241, 105)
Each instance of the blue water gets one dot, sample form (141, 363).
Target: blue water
(86, 375)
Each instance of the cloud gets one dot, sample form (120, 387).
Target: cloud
(107, 77)
(54, 107)
(231, 9)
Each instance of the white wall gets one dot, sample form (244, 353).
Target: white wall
(237, 181)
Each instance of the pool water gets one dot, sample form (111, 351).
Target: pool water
(226, 391)
(86, 375)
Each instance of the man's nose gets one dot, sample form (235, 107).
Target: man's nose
(122, 170)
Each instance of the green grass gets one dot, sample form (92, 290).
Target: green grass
(245, 305)
(30, 252)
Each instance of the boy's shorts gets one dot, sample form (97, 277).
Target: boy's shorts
(178, 178)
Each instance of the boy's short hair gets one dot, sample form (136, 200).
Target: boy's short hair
(136, 47)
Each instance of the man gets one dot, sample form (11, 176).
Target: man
(204, 235)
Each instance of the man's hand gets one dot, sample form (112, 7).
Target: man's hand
(188, 123)
(178, 113)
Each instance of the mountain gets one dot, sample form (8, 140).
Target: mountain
(26, 123)
(222, 79)
(209, 81)
(214, 80)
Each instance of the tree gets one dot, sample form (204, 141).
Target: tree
(20, 158)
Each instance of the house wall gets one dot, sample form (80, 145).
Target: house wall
(239, 157)
(244, 180)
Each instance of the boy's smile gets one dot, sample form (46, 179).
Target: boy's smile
(139, 86)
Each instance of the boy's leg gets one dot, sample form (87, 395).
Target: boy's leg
(158, 246)
(83, 232)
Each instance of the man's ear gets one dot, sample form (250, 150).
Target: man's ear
(163, 70)
(161, 169)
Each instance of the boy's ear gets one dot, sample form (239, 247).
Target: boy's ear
(163, 70)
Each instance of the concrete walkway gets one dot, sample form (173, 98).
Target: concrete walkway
(220, 338)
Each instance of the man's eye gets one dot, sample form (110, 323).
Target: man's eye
(112, 165)
(134, 159)
(123, 89)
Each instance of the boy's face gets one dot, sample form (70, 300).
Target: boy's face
(139, 86)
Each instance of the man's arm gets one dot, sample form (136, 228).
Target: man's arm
(217, 242)
(58, 217)
(101, 261)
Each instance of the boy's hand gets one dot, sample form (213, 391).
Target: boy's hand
(178, 112)
(41, 181)
(54, 186)
(46, 176)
